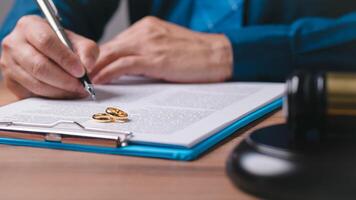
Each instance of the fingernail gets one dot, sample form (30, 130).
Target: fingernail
(78, 71)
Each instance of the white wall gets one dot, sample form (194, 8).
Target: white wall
(119, 22)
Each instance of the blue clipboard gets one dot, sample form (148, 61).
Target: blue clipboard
(165, 152)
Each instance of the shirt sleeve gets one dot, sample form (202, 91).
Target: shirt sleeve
(84, 17)
(271, 52)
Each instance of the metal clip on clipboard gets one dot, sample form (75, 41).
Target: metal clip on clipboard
(116, 139)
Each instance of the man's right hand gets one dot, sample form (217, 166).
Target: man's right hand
(35, 62)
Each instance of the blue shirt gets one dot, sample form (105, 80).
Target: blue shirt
(269, 38)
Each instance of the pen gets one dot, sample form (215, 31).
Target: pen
(51, 13)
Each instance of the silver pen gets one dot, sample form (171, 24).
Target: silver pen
(51, 13)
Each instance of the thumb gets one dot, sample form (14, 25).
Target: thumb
(86, 49)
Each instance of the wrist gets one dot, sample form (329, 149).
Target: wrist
(222, 56)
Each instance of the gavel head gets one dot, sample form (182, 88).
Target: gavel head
(321, 106)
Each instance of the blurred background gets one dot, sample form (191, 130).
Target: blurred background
(118, 23)
(4, 7)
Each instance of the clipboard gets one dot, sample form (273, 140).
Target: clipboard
(121, 145)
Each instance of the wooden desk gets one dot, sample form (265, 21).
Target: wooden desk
(30, 173)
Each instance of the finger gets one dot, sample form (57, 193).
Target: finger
(37, 87)
(113, 50)
(87, 50)
(45, 70)
(19, 91)
(42, 37)
(132, 65)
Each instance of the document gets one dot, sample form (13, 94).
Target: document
(159, 113)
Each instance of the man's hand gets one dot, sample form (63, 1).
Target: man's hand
(34, 61)
(161, 50)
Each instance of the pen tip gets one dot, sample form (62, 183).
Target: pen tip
(93, 97)
(90, 89)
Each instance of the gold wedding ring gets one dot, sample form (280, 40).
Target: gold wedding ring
(117, 113)
(111, 115)
(103, 118)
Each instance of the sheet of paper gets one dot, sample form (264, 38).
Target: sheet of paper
(170, 114)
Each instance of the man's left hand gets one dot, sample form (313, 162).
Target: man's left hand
(161, 50)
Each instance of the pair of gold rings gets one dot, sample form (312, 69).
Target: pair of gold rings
(111, 115)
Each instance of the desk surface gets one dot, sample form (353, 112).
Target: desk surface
(30, 173)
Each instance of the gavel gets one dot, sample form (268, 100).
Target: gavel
(321, 106)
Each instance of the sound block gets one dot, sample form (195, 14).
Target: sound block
(270, 165)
